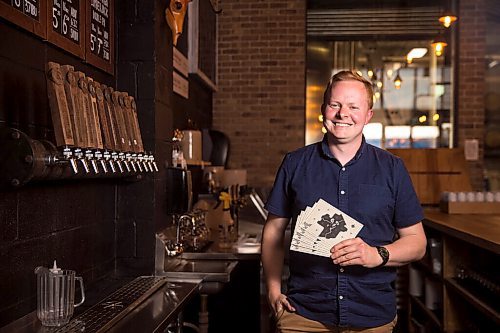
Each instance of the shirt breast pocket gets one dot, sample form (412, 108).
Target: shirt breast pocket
(374, 201)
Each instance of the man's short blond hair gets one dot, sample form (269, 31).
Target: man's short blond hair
(347, 76)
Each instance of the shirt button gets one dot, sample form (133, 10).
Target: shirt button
(341, 297)
(343, 169)
(341, 270)
(342, 192)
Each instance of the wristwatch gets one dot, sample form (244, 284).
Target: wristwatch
(384, 254)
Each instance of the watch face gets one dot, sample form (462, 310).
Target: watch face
(384, 254)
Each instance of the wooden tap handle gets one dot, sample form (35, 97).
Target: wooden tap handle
(84, 108)
(106, 125)
(96, 124)
(127, 113)
(58, 106)
(76, 117)
(110, 115)
(125, 140)
(137, 128)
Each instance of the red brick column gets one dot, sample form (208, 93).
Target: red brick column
(260, 100)
(471, 85)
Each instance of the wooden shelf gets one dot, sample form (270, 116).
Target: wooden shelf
(470, 242)
(421, 265)
(471, 298)
(429, 313)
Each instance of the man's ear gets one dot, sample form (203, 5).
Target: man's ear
(369, 116)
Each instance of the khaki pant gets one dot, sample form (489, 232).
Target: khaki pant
(290, 322)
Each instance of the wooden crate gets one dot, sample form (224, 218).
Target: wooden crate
(434, 171)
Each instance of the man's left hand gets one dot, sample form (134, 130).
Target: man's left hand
(355, 252)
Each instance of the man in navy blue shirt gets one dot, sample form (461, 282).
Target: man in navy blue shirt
(353, 289)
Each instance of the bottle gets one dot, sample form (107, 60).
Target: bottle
(226, 226)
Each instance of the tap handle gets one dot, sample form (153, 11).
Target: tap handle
(85, 165)
(119, 166)
(103, 165)
(94, 165)
(112, 166)
(74, 166)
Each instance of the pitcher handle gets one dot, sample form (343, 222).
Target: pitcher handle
(81, 289)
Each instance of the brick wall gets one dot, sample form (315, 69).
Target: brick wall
(260, 100)
(471, 85)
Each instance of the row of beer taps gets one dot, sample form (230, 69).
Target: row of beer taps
(94, 125)
(118, 162)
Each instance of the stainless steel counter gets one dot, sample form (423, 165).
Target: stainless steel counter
(152, 313)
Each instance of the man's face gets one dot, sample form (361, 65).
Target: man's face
(347, 112)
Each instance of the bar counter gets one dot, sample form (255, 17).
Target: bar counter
(482, 230)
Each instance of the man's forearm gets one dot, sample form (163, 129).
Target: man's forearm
(272, 256)
(409, 247)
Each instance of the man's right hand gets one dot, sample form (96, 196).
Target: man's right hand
(279, 303)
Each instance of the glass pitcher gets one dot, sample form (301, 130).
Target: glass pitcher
(56, 295)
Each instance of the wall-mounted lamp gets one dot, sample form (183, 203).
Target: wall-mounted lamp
(447, 18)
(398, 81)
(439, 44)
(415, 53)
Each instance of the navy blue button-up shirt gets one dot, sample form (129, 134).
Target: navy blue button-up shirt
(375, 189)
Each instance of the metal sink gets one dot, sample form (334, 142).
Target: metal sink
(213, 274)
(207, 270)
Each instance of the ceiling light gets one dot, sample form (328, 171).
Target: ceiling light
(447, 19)
(417, 52)
(398, 81)
(439, 44)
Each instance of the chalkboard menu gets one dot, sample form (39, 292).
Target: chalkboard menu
(29, 14)
(100, 34)
(66, 28)
(84, 28)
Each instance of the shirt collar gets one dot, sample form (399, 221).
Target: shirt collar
(326, 150)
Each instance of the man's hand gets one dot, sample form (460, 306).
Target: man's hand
(355, 252)
(279, 303)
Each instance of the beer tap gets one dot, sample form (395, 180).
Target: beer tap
(121, 158)
(67, 153)
(134, 160)
(128, 157)
(114, 157)
(79, 156)
(107, 158)
(145, 163)
(90, 157)
(138, 159)
(155, 166)
(150, 162)
(99, 157)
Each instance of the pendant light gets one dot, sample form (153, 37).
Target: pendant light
(447, 18)
(398, 81)
(439, 44)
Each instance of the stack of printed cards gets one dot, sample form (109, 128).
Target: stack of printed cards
(320, 227)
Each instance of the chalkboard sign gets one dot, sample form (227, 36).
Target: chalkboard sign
(100, 34)
(28, 14)
(66, 27)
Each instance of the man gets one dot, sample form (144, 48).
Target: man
(352, 291)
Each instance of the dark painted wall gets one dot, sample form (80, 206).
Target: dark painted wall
(103, 229)
(72, 221)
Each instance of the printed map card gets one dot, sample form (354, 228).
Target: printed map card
(320, 227)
